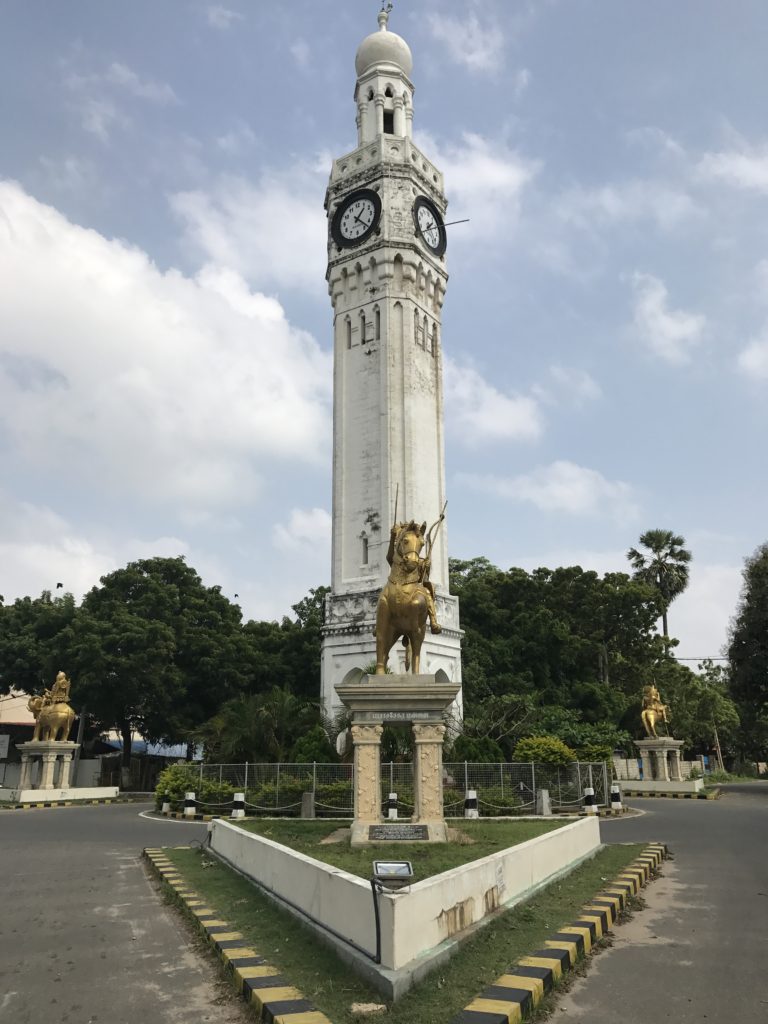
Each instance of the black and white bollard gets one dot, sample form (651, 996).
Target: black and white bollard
(590, 804)
(392, 807)
(189, 805)
(470, 804)
(238, 805)
(166, 808)
(616, 798)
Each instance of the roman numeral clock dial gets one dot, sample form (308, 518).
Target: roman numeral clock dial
(356, 218)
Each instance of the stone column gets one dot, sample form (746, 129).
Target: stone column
(379, 107)
(399, 116)
(645, 758)
(25, 775)
(46, 774)
(428, 772)
(64, 771)
(367, 743)
(677, 768)
(662, 765)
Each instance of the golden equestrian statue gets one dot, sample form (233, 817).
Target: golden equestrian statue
(53, 715)
(653, 710)
(408, 598)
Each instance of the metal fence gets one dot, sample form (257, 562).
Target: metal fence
(502, 789)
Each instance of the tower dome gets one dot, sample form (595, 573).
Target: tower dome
(383, 47)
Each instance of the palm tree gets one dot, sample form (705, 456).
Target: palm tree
(664, 566)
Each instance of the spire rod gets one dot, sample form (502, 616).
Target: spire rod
(386, 7)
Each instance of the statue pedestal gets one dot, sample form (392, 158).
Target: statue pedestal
(420, 701)
(51, 782)
(662, 769)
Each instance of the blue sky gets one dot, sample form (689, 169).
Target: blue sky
(165, 370)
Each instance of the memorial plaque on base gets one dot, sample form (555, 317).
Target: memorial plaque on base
(377, 833)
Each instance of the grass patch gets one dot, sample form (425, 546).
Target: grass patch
(331, 985)
(482, 838)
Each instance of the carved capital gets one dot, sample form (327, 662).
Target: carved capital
(362, 734)
(428, 733)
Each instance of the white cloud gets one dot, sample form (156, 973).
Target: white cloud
(569, 384)
(487, 180)
(700, 617)
(478, 47)
(236, 141)
(307, 530)
(626, 202)
(143, 88)
(176, 389)
(561, 487)
(258, 229)
(655, 139)
(300, 52)
(221, 17)
(753, 359)
(745, 168)
(522, 81)
(476, 411)
(39, 549)
(97, 116)
(668, 333)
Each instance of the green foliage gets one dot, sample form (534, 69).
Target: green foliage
(30, 641)
(483, 750)
(665, 567)
(544, 749)
(257, 727)
(153, 649)
(748, 657)
(561, 637)
(314, 746)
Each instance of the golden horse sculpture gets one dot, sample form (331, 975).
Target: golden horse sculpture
(53, 715)
(653, 711)
(408, 597)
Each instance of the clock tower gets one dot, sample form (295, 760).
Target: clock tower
(386, 278)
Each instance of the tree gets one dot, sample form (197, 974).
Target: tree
(665, 568)
(31, 641)
(257, 727)
(748, 656)
(155, 650)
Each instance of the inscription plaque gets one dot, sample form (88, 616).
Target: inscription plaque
(395, 832)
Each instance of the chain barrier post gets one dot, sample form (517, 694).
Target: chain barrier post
(189, 805)
(470, 803)
(166, 808)
(238, 805)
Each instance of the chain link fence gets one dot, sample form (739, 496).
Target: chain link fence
(502, 789)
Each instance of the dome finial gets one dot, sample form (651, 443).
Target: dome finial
(384, 15)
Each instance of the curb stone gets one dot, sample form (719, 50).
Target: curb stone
(513, 995)
(713, 794)
(271, 995)
(61, 803)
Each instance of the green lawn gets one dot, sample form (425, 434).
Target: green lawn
(333, 987)
(481, 838)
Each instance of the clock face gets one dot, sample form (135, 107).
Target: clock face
(356, 217)
(429, 225)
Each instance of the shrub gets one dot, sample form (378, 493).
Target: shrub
(594, 752)
(482, 751)
(314, 745)
(545, 750)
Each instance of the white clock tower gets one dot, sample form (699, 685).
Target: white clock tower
(386, 277)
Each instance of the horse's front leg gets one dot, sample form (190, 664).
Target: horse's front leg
(383, 632)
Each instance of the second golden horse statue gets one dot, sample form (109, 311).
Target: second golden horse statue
(408, 598)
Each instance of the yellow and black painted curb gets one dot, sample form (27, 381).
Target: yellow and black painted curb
(181, 816)
(524, 984)
(711, 794)
(272, 996)
(59, 803)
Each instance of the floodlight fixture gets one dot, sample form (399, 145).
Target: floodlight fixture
(393, 874)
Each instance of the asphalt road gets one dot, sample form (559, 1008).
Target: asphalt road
(84, 936)
(697, 953)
